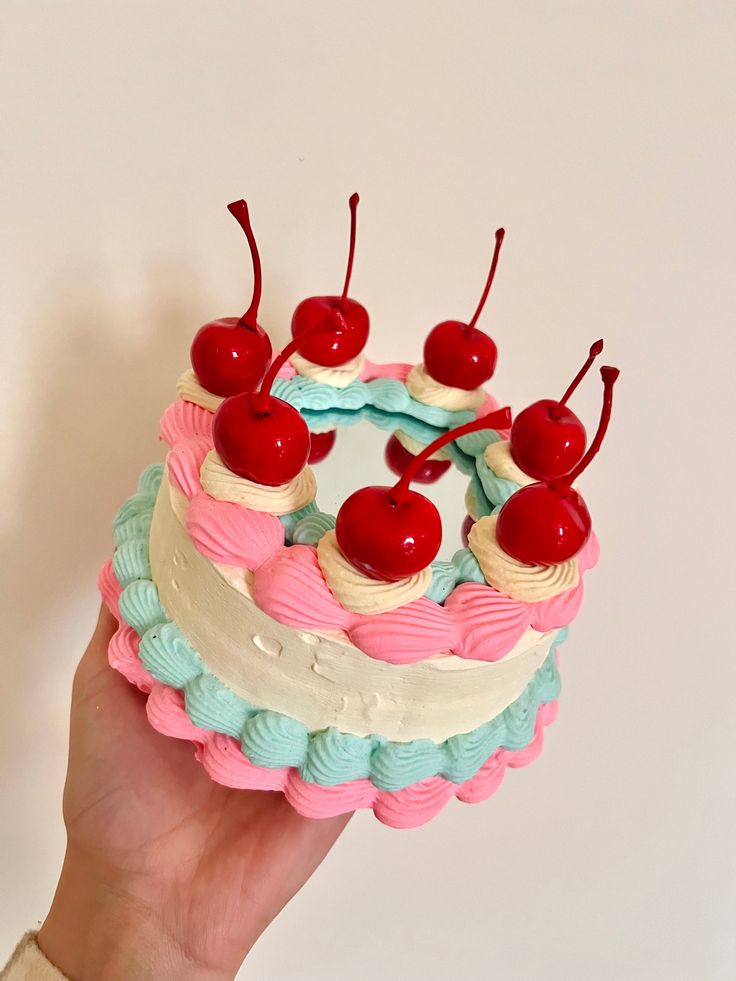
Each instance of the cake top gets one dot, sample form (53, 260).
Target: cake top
(391, 535)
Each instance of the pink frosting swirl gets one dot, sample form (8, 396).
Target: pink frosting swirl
(184, 462)
(489, 622)
(232, 534)
(291, 587)
(184, 420)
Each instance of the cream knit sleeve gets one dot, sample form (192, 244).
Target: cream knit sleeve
(29, 964)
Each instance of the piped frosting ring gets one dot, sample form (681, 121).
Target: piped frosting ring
(224, 485)
(528, 583)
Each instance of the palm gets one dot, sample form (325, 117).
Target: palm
(139, 804)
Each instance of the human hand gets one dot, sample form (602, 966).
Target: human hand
(167, 874)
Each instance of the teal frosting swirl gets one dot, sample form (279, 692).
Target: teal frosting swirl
(387, 395)
(272, 740)
(463, 567)
(497, 489)
(289, 521)
(310, 529)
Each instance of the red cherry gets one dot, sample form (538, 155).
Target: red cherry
(261, 437)
(390, 533)
(548, 523)
(386, 538)
(458, 354)
(268, 447)
(344, 322)
(467, 524)
(230, 355)
(539, 525)
(321, 445)
(547, 438)
(398, 459)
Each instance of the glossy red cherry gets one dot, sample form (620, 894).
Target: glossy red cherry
(458, 354)
(548, 523)
(230, 355)
(467, 524)
(547, 438)
(398, 458)
(261, 437)
(344, 322)
(321, 445)
(390, 533)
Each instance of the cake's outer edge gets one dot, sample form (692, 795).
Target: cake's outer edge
(267, 739)
(318, 680)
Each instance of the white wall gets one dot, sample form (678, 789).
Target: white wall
(601, 134)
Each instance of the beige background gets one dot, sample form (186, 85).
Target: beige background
(602, 135)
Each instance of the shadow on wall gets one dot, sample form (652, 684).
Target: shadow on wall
(94, 425)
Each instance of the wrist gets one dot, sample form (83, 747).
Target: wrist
(97, 929)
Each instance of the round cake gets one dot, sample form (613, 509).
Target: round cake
(334, 658)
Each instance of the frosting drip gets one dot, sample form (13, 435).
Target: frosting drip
(529, 583)
(359, 593)
(424, 388)
(224, 485)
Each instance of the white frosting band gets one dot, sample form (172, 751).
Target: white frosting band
(223, 484)
(316, 679)
(499, 460)
(424, 388)
(189, 390)
(529, 583)
(358, 592)
(338, 377)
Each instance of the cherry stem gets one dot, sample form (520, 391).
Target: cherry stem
(239, 211)
(595, 350)
(353, 203)
(609, 376)
(500, 419)
(263, 395)
(500, 232)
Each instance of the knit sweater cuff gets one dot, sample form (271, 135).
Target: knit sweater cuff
(29, 964)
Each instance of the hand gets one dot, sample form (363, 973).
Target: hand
(167, 874)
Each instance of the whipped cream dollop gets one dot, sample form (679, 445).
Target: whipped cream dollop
(414, 447)
(529, 583)
(424, 388)
(359, 593)
(224, 485)
(339, 376)
(189, 390)
(498, 458)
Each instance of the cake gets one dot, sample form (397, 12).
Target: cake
(334, 658)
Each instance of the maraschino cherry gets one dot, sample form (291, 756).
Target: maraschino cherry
(230, 355)
(261, 437)
(468, 522)
(458, 354)
(398, 458)
(390, 533)
(547, 438)
(345, 322)
(548, 523)
(321, 445)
